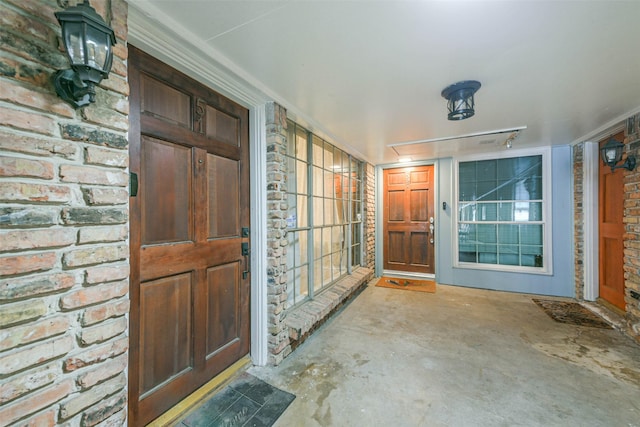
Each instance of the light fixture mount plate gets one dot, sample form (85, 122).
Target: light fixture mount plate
(466, 85)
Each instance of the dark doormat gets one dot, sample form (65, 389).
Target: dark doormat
(247, 402)
(572, 313)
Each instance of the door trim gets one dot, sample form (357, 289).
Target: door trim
(591, 157)
(165, 45)
(590, 189)
(258, 203)
(379, 269)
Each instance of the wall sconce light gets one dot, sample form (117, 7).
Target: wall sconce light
(611, 154)
(88, 41)
(460, 99)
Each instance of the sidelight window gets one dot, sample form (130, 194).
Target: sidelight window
(502, 214)
(324, 217)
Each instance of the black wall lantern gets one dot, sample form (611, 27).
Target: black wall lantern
(611, 154)
(88, 41)
(459, 98)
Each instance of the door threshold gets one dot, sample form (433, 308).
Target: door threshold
(190, 402)
(408, 275)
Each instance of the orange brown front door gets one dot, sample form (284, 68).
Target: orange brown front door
(408, 219)
(189, 286)
(611, 231)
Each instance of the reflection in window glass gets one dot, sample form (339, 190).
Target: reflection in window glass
(500, 212)
(324, 213)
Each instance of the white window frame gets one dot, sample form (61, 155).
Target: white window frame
(547, 254)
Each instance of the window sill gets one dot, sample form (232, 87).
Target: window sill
(303, 319)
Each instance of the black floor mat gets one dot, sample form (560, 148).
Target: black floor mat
(247, 401)
(572, 313)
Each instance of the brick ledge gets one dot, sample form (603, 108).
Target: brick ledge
(304, 318)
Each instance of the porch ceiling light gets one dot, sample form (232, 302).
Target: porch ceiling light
(459, 98)
(611, 154)
(88, 41)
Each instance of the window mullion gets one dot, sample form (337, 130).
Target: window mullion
(310, 218)
(349, 219)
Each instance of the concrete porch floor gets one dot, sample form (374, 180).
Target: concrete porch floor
(459, 357)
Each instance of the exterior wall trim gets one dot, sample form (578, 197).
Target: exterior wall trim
(590, 210)
(258, 156)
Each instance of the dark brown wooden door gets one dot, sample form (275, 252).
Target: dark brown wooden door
(189, 296)
(611, 231)
(409, 220)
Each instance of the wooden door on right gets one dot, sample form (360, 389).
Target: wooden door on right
(611, 231)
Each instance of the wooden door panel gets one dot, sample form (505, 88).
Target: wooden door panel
(396, 206)
(161, 100)
(224, 306)
(223, 197)
(165, 341)
(418, 247)
(612, 212)
(408, 209)
(396, 242)
(396, 178)
(189, 299)
(419, 205)
(222, 126)
(165, 171)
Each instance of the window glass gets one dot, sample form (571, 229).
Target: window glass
(324, 213)
(500, 212)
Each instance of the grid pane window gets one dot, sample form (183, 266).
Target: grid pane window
(500, 212)
(324, 214)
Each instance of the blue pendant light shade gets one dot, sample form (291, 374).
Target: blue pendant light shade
(459, 98)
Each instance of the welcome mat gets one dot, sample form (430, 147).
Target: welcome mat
(407, 284)
(572, 313)
(246, 401)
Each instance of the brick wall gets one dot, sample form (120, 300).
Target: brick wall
(276, 121)
(63, 228)
(369, 216)
(632, 230)
(288, 326)
(578, 218)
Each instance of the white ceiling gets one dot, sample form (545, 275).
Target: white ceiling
(366, 74)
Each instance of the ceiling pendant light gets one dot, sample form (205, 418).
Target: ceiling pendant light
(459, 98)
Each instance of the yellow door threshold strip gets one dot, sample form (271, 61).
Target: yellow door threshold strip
(194, 399)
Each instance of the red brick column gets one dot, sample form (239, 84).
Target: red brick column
(63, 228)
(632, 230)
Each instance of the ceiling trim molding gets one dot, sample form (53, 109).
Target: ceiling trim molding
(167, 44)
(613, 126)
